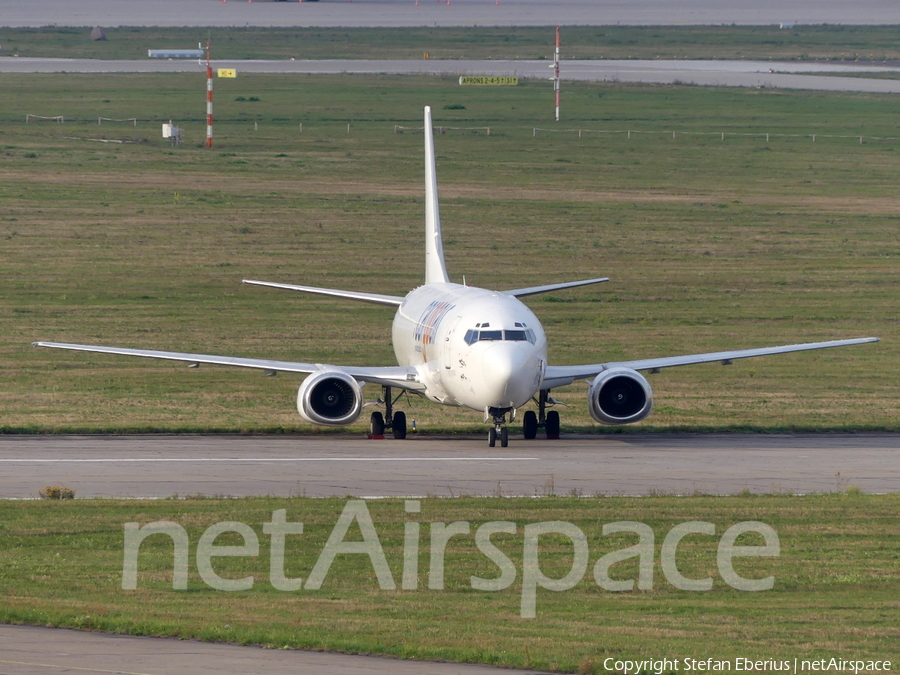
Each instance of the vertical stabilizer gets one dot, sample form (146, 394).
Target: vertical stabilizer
(435, 268)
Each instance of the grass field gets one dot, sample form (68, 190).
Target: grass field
(710, 244)
(805, 43)
(834, 593)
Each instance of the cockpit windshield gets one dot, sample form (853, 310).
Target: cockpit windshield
(474, 335)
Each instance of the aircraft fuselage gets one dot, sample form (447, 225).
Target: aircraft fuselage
(472, 347)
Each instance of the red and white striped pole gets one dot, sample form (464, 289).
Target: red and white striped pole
(556, 73)
(209, 99)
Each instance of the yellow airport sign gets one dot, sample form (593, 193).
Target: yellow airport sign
(489, 80)
(227, 72)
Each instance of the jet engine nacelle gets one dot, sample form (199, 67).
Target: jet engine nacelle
(330, 397)
(620, 396)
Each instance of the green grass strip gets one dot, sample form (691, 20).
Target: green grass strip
(834, 594)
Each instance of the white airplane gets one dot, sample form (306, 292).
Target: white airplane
(463, 346)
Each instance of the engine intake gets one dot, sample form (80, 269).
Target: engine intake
(330, 397)
(620, 396)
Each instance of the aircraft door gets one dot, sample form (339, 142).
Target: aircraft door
(447, 356)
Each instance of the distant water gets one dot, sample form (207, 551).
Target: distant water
(369, 13)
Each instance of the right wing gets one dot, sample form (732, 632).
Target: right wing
(402, 377)
(558, 376)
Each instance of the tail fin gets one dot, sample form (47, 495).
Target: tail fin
(435, 268)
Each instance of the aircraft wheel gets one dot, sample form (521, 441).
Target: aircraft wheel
(552, 425)
(530, 425)
(399, 425)
(492, 437)
(376, 424)
(504, 437)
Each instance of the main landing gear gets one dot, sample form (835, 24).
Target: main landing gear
(395, 421)
(549, 421)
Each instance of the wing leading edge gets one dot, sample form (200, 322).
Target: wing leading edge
(558, 376)
(393, 376)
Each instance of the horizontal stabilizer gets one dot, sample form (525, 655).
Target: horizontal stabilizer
(534, 290)
(392, 300)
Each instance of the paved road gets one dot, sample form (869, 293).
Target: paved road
(715, 73)
(28, 650)
(443, 13)
(162, 466)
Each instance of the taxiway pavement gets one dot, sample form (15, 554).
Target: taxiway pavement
(763, 74)
(31, 650)
(329, 465)
(368, 13)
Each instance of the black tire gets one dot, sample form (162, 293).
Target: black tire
(530, 425)
(399, 425)
(492, 437)
(504, 437)
(552, 425)
(376, 424)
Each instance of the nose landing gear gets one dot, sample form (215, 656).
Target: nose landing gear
(502, 433)
(531, 421)
(499, 430)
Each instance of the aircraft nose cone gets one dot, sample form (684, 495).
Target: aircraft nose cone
(507, 375)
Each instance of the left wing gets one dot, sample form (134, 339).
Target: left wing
(393, 376)
(558, 376)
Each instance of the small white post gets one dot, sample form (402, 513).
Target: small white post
(209, 100)
(556, 73)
